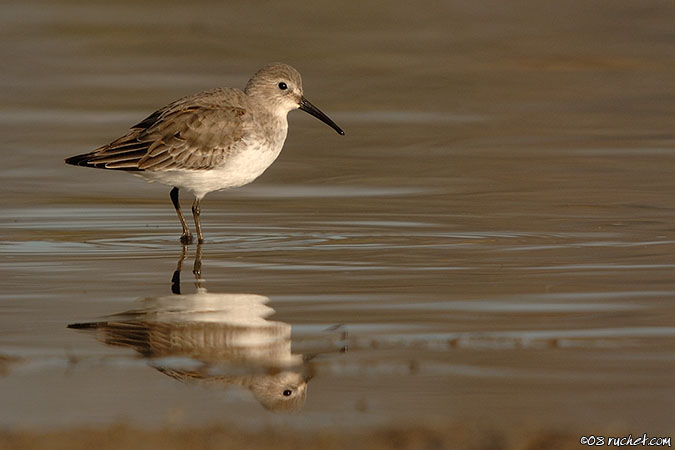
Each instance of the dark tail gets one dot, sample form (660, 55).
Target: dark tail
(99, 160)
(86, 326)
(79, 160)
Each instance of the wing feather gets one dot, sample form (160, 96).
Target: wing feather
(194, 133)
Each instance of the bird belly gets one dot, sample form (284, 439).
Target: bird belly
(240, 169)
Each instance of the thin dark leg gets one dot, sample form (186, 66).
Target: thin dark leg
(196, 270)
(175, 279)
(198, 226)
(197, 267)
(186, 237)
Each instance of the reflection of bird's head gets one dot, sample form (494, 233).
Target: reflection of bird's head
(280, 392)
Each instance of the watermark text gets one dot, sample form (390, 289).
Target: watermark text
(625, 441)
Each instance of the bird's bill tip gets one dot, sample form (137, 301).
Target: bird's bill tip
(306, 106)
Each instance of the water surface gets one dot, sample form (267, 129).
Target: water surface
(492, 239)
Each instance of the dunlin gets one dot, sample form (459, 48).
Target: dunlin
(227, 337)
(213, 140)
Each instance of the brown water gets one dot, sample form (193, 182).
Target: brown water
(493, 239)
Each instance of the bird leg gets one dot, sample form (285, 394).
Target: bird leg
(175, 279)
(186, 237)
(197, 267)
(198, 226)
(196, 270)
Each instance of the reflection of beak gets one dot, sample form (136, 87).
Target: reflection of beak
(306, 106)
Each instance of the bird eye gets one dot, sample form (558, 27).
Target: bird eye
(287, 393)
(283, 87)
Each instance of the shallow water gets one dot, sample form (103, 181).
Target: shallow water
(492, 239)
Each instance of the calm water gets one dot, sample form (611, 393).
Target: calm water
(493, 238)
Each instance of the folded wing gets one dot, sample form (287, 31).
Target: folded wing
(190, 134)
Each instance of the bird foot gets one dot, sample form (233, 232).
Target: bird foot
(186, 239)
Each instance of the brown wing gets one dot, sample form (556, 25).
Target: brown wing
(212, 341)
(195, 133)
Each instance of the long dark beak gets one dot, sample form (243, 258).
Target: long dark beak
(306, 106)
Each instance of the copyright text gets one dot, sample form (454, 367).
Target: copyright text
(621, 441)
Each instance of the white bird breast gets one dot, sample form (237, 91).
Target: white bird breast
(242, 168)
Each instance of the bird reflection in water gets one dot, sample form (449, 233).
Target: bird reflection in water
(220, 339)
